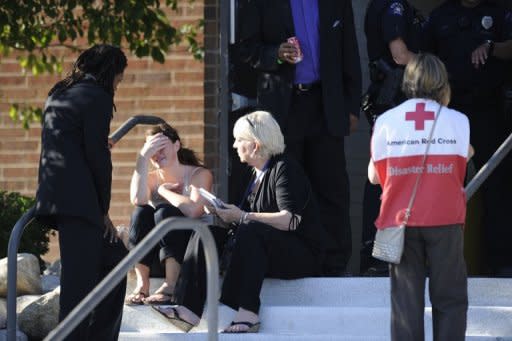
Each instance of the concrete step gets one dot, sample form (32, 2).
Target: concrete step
(302, 320)
(361, 291)
(272, 337)
(332, 309)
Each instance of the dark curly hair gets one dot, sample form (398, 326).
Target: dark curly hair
(101, 61)
(186, 156)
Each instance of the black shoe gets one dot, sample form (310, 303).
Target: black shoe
(381, 270)
(503, 272)
(334, 265)
(333, 272)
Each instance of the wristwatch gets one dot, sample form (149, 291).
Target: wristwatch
(490, 45)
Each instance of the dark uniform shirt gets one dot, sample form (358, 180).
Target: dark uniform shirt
(453, 32)
(387, 20)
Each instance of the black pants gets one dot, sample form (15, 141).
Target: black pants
(371, 208)
(260, 251)
(174, 244)
(438, 251)
(322, 155)
(86, 259)
(486, 136)
(191, 286)
(264, 251)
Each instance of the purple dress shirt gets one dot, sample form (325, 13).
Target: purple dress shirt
(305, 20)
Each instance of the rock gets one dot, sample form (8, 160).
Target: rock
(29, 277)
(49, 283)
(3, 313)
(53, 269)
(41, 316)
(23, 301)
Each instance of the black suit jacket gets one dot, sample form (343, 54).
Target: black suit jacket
(265, 24)
(75, 169)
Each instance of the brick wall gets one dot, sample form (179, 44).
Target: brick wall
(181, 91)
(211, 83)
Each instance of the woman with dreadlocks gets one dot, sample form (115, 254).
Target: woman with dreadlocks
(75, 176)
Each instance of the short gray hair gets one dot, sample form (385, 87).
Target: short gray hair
(425, 76)
(261, 127)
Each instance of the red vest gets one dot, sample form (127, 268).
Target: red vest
(398, 144)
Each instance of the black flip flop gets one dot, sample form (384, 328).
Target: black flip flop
(168, 301)
(176, 320)
(253, 327)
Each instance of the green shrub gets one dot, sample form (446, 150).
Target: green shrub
(36, 236)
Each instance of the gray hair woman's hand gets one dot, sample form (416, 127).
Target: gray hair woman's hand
(229, 214)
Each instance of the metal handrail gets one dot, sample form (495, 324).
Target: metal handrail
(489, 167)
(19, 227)
(12, 270)
(132, 122)
(135, 255)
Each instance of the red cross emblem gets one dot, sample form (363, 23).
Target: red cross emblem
(419, 116)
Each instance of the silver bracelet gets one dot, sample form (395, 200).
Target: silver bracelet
(240, 222)
(243, 217)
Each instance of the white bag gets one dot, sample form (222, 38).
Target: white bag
(389, 244)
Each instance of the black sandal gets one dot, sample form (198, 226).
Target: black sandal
(253, 327)
(167, 299)
(176, 320)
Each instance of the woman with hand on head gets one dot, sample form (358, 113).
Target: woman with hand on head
(279, 233)
(169, 190)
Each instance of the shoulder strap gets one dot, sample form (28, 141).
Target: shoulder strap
(415, 189)
(188, 177)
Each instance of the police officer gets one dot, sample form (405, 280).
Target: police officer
(473, 39)
(392, 29)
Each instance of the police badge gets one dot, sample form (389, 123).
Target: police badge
(487, 22)
(396, 8)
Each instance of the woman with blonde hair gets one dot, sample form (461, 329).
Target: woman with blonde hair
(278, 234)
(434, 230)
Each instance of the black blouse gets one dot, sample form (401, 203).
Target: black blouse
(286, 187)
